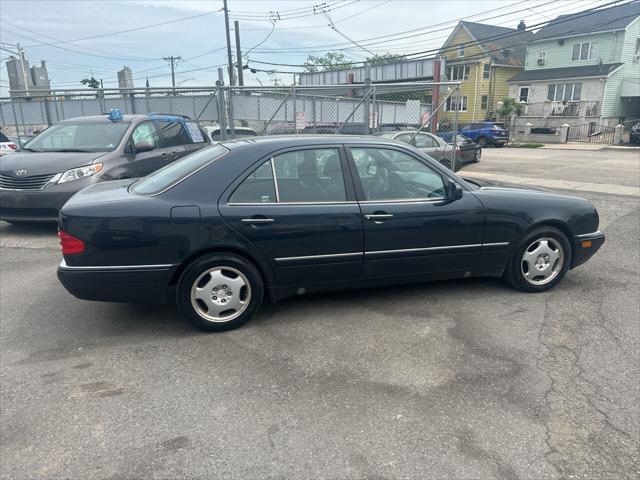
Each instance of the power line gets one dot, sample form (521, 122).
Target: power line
(495, 37)
(134, 29)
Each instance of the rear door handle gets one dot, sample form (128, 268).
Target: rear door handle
(378, 216)
(257, 220)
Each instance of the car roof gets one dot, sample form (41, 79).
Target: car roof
(127, 118)
(284, 141)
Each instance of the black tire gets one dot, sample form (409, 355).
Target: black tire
(482, 141)
(514, 272)
(228, 264)
(478, 154)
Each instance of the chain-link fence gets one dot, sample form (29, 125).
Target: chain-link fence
(233, 111)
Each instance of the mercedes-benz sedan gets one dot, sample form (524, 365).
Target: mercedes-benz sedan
(274, 217)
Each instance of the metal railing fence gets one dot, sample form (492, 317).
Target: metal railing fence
(341, 109)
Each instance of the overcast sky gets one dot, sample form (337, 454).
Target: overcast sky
(39, 26)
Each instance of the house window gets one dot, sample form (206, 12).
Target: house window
(559, 92)
(486, 70)
(523, 95)
(461, 50)
(636, 57)
(458, 72)
(585, 51)
(484, 102)
(454, 104)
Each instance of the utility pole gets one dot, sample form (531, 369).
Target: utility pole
(236, 27)
(173, 60)
(226, 25)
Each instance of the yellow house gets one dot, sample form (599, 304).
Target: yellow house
(483, 57)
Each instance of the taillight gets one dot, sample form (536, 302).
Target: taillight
(70, 244)
(13, 146)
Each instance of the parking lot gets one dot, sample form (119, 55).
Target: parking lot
(463, 379)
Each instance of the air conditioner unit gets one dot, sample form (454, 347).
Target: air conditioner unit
(541, 61)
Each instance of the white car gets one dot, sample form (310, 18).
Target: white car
(215, 133)
(6, 145)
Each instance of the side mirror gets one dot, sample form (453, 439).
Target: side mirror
(141, 147)
(454, 191)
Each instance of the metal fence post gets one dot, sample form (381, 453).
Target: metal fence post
(132, 100)
(232, 120)
(222, 109)
(455, 130)
(295, 109)
(367, 101)
(15, 120)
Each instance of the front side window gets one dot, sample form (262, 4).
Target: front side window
(146, 132)
(79, 136)
(172, 133)
(303, 176)
(392, 175)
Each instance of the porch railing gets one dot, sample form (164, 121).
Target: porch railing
(582, 108)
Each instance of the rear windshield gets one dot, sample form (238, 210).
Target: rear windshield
(178, 170)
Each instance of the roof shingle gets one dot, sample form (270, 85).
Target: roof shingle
(564, 72)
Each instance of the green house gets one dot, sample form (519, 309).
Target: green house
(582, 68)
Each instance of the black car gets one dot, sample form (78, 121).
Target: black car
(38, 179)
(283, 216)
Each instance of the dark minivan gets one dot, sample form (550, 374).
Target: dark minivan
(68, 156)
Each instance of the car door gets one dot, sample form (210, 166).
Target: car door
(409, 226)
(430, 146)
(174, 139)
(298, 207)
(144, 162)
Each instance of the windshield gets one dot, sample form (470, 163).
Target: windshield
(79, 137)
(176, 171)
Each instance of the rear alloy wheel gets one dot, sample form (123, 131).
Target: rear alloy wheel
(219, 292)
(478, 155)
(482, 141)
(541, 260)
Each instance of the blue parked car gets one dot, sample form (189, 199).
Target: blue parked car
(483, 133)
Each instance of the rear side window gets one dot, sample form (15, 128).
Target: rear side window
(308, 176)
(195, 132)
(425, 141)
(178, 170)
(172, 133)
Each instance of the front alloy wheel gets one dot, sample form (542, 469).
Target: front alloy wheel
(540, 261)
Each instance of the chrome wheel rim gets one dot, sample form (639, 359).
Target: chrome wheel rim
(220, 294)
(478, 154)
(542, 261)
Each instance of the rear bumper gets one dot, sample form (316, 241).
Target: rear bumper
(129, 284)
(585, 246)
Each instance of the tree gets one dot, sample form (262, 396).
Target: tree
(91, 82)
(330, 61)
(385, 58)
(509, 107)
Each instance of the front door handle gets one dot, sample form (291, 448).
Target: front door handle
(165, 155)
(257, 220)
(376, 217)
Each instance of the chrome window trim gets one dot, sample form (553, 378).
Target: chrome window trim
(275, 181)
(236, 204)
(310, 257)
(63, 265)
(397, 201)
(495, 244)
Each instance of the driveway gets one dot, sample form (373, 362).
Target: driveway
(465, 379)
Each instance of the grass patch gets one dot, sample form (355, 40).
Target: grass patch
(526, 145)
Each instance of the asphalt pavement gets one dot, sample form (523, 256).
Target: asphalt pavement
(464, 379)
